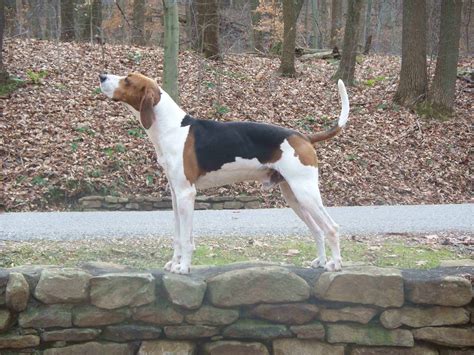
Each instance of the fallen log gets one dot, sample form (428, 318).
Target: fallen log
(327, 54)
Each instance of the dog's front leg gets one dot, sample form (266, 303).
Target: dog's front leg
(185, 207)
(176, 238)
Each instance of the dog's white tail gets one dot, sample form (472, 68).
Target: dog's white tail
(343, 117)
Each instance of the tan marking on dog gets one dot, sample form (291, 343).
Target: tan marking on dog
(304, 150)
(192, 170)
(140, 92)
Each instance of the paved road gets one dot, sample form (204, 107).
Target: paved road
(278, 222)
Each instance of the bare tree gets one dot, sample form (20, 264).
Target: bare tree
(138, 22)
(367, 32)
(96, 18)
(413, 74)
(336, 22)
(67, 20)
(468, 12)
(314, 24)
(291, 11)
(442, 92)
(208, 24)
(3, 71)
(170, 66)
(257, 35)
(346, 69)
(323, 23)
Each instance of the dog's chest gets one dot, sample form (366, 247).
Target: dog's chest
(237, 171)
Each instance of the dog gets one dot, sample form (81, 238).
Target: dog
(199, 154)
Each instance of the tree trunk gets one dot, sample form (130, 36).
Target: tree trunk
(96, 22)
(442, 92)
(138, 23)
(170, 66)
(413, 77)
(346, 69)
(3, 72)
(291, 11)
(208, 25)
(34, 14)
(190, 24)
(67, 20)
(323, 24)
(367, 28)
(19, 17)
(257, 35)
(314, 17)
(336, 20)
(91, 20)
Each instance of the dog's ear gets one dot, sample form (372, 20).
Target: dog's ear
(147, 116)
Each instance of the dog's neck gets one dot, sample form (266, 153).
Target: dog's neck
(168, 115)
(168, 118)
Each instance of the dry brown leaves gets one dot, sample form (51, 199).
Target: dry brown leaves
(62, 139)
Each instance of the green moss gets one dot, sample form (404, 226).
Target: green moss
(378, 335)
(428, 109)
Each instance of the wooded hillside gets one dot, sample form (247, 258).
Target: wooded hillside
(61, 139)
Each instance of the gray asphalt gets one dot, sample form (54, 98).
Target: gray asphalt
(278, 222)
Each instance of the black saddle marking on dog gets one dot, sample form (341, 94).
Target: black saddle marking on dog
(218, 143)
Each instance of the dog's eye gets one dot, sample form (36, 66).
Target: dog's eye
(127, 82)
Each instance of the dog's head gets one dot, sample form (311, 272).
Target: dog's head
(136, 90)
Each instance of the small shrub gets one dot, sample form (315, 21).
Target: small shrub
(55, 194)
(136, 57)
(209, 84)
(307, 123)
(120, 148)
(39, 181)
(85, 129)
(36, 78)
(137, 132)
(373, 81)
(221, 109)
(351, 157)
(149, 180)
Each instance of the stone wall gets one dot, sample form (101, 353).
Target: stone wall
(141, 203)
(250, 309)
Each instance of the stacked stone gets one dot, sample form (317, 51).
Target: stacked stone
(238, 309)
(140, 203)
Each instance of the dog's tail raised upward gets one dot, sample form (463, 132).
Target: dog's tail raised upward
(343, 117)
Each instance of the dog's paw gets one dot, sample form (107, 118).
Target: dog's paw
(169, 265)
(318, 262)
(333, 265)
(181, 269)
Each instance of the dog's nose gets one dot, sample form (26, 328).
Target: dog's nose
(102, 77)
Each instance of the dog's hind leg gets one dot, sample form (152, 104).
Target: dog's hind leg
(305, 216)
(307, 194)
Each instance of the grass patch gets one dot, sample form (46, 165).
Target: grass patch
(146, 253)
(10, 86)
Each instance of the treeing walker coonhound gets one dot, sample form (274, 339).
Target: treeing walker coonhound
(198, 154)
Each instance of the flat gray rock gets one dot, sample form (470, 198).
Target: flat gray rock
(267, 284)
(112, 291)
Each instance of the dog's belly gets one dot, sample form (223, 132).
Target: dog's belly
(237, 171)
